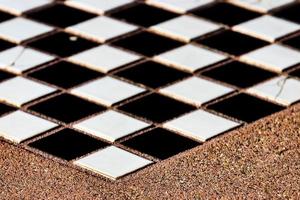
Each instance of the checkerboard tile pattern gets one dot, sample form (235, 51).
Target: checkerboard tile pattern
(103, 87)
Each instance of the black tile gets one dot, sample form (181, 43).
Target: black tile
(68, 144)
(290, 13)
(5, 45)
(62, 44)
(5, 75)
(65, 74)
(296, 72)
(245, 107)
(143, 15)
(293, 42)
(60, 15)
(148, 44)
(239, 74)
(156, 108)
(225, 13)
(5, 109)
(152, 74)
(232, 42)
(5, 16)
(160, 143)
(66, 108)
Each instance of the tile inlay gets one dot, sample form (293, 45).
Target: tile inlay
(113, 86)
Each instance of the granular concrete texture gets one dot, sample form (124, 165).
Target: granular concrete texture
(259, 161)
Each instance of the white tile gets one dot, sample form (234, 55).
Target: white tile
(19, 126)
(195, 90)
(20, 6)
(18, 90)
(112, 162)
(97, 6)
(282, 90)
(111, 125)
(103, 58)
(19, 59)
(200, 125)
(267, 28)
(261, 5)
(107, 91)
(190, 57)
(101, 28)
(180, 6)
(185, 27)
(273, 57)
(19, 29)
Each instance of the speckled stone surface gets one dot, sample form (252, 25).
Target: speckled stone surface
(258, 161)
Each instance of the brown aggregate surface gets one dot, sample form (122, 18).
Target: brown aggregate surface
(259, 161)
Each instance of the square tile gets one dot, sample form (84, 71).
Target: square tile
(225, 13)
(111, 125)
(190, 58)
(155, 44)
(67, 144)
(19, 90)
(152, 74)
(295, 72)
(101, 28)
(290, 13)
(180, 6)
(273, 57)
(112, 162)
(104, 58)
(19, 126)
(5, 16)
(5, 75)
(195, 90)
(156, 108)
(19, 59)
(267, 27)
(5, 45)
(282, 90)
(65, 74)
(14, 31)
(233, 43)
(99, 6)
(262, 5)
(64, 15)
(245, 107)
(185, 27)
(139, 14)
(160, 143)
(200, 125)
(19, 6)
(62, 44)
(66, 108)
(4, 109)
(238, 74)
(293, 42)
(107, 91)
